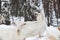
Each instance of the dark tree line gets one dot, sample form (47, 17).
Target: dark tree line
(55, 4)
(14, 7)
(48, 10)
(23, 8)
(18, 8)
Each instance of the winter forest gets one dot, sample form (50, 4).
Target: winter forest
(26, 9)
(29, 20)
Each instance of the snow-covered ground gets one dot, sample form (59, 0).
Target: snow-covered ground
(9, 27)
(7, 32)
(12, 19)
(6, 28)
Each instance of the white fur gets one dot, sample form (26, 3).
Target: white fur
(27, 29)
(32, 28)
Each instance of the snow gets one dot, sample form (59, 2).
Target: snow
(32, 38)
(4, 27)
(12, 19)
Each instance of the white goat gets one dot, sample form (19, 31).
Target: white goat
(28, 29)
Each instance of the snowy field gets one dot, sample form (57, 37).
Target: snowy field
(6, 29)
(9, 32)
